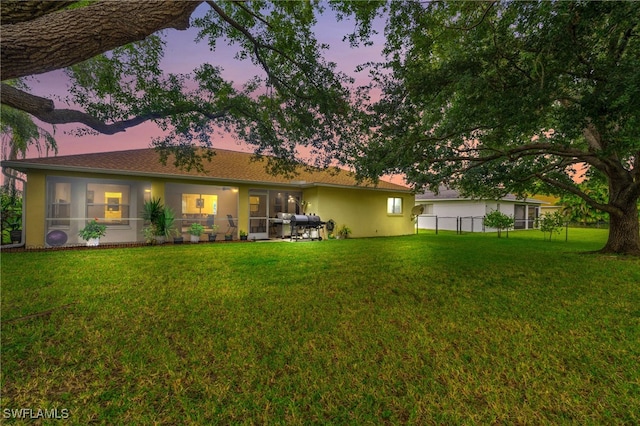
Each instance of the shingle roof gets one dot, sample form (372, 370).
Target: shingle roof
(226, 166)
(445, 193)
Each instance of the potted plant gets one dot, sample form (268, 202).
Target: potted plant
(195, 230)
(213, 235)
(228, 236)
(344, 232)
(92, 232)
(149, 233)
(243, 235)
(14, 223)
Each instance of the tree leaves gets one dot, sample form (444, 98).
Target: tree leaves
(498, 94)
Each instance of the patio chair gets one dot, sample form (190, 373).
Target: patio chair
(232, 225)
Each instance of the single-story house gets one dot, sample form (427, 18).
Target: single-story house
(448, 210)
(63, 193)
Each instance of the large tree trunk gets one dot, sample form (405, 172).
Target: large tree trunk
(624, 229)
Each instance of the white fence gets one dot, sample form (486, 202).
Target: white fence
(462, 224)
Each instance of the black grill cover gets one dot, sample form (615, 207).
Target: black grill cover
(310, 221)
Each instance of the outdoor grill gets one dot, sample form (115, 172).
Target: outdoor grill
(306, 226)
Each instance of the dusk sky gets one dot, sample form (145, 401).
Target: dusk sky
(182, 55)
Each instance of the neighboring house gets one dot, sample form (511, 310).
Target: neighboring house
(550, 204)
(63, 193)
(448, 210)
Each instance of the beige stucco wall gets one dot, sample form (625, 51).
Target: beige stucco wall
(362, 210)
(243, 209)
(35, 209)
(157, 189)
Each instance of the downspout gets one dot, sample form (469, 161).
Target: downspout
(24, 198)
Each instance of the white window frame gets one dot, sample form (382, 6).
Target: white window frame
(392, 206)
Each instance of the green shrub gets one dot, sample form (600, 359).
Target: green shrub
(551, 223)
(498, 220)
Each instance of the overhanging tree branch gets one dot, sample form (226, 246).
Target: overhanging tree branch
(250, 12)
(536, 149)
(572, 189)
(43, 109)
(16, 11)
(62, 39)
(477, 23)
(257, 45)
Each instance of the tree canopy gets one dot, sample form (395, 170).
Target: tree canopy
(297, 98)
(497, 97)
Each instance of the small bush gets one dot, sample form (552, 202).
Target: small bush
(498, 220)
(551, 223)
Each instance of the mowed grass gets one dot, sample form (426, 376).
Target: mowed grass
(426, 329)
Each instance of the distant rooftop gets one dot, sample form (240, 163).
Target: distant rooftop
(445, 193)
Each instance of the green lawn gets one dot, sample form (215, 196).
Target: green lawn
(427, 329)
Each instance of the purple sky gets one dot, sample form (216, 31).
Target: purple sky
(182, 55)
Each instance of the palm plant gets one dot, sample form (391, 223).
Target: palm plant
(159, 219)
(165, 226)
(152, 210)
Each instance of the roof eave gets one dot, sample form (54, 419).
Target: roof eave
(370, 188)
(527, 200)
(24, 167)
